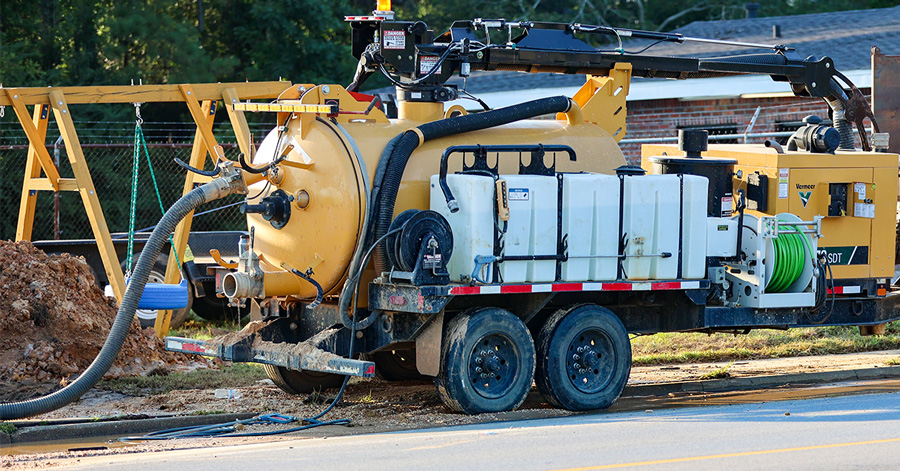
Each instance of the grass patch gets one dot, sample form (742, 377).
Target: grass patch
(199, 329)
(367, 399)
(7, 428)
(893, 362)
(676, 348)
(234, 376)
(720, 373)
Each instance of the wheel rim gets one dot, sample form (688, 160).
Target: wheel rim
(493, 365)
(590, 361)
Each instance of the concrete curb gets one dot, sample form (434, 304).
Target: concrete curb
(757, 382)
(37, 433)
(40, 433)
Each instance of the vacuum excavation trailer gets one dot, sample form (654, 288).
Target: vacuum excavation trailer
(491, 250)
(494, 250)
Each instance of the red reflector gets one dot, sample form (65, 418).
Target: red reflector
(515, 289)
(617, 286)
(398, 300)
(567, 287)
(466, 290)
(667, 285)
(370, 370)
(190, 347)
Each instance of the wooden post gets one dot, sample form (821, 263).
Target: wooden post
(27, 205)
(88, 192)
(204, 117)
(238, 122)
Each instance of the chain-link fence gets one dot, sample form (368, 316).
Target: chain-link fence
(62, 215)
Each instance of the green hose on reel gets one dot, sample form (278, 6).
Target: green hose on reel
(790, 257)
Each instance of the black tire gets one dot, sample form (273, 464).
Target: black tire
(158, 275)
(302, 381)
(584, 358)
(487, 362)
(396, 365)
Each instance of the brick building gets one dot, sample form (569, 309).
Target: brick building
(657, 108)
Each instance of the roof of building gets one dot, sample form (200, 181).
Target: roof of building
(847, 37)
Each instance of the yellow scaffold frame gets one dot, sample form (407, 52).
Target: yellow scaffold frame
(201, 100)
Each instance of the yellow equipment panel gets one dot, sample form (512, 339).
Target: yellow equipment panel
(856, 193)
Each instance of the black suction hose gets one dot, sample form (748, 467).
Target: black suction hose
(388, 181)
(187, 203)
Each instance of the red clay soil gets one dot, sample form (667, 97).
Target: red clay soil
(53, 322)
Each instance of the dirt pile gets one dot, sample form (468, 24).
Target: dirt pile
(53, 322)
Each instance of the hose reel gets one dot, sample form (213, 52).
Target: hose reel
(778, 266)
(790, 253)
(420, 248)
(790, 256)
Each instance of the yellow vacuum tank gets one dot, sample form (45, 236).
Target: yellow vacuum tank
(325, 183)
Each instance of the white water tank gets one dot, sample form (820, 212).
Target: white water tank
(663, 221)
(695, 196)
(532, 229)
(472, 225)
(650, 227)
(590, 221)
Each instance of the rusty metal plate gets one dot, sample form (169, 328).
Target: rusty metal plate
(886, 95)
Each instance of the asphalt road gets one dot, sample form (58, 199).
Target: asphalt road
(850, 432)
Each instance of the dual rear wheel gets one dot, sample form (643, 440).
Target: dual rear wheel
(581, 361)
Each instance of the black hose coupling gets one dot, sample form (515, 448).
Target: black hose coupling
(275, 208)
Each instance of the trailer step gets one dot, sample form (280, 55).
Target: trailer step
(294, 356)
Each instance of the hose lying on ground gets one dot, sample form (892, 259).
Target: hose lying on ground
(211, 191)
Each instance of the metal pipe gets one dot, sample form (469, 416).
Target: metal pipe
(752, 123)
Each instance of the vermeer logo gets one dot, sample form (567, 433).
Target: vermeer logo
(806, 187)
(804, 196)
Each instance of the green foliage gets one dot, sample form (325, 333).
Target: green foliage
(7, 428)
(719, 373)
(86, 42)
(675, 348)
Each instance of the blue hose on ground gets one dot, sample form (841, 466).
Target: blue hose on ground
(214, 190)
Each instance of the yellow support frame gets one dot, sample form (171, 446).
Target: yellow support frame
(201, 101)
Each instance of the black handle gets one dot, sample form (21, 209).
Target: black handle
(208, 173)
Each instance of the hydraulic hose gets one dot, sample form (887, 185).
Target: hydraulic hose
(214, 190)
(839, 117)
(387, 177)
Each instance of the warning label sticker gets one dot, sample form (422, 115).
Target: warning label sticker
(426, 63)
(783, 177)
(518, 194)
(394, 40)
(726, 206)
